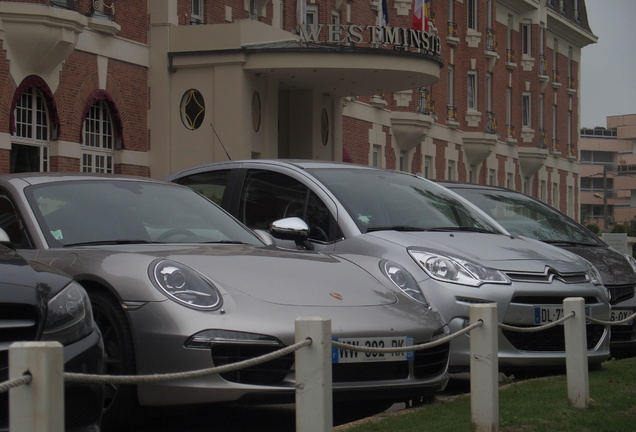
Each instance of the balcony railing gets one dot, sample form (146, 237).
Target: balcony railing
(555, 145)
(577, 15)
(571, 151)
(570, 83)
(510, 55)
(452, 29)
(491, 122)
(426, 105)
(555, 76)
(65, 4)
(543, 65)
(510, 131)
(491, 40)
(451, 113)
(543, 136)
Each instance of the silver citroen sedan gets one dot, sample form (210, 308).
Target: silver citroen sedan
(458, 255)
(177, 284)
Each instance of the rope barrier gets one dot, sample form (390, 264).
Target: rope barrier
(16, 382)
(154, 378)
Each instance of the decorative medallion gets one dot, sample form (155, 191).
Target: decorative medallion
(324, 127)
(256, 111)
(192, 109)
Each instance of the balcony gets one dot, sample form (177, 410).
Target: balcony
(491, 123)
(451, 34)
(571, 151)
(426, 105)
(451, 117)
(543, 144)
(556, 150)
(511, 134)
(571, 88)
(510, 59)
(556, 80)
(491, 40)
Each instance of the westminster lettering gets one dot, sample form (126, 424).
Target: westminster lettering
(352, 34)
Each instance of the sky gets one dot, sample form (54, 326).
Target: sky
(608, 67)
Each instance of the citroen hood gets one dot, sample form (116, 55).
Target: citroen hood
(498, 251)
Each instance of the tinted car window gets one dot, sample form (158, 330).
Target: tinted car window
(210, 184)
(269, 196)
(522, 215)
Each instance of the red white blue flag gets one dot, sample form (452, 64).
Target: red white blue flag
(421, 12)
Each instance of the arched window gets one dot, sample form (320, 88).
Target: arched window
(100, 135)
(29, 149)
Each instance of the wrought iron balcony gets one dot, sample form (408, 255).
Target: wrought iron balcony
(451, 113)
(510, 131)
(570, 83)
(65, 4)
(426, 105)
(491, 40)
(555, 76)
(452, 29)
(510, 55)
(555, 145)
(571, 151)
(543, 137)
(543, 65)
(491, 122)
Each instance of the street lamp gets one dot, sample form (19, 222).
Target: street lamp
(604, 198)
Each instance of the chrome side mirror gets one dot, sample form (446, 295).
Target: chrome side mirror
(292, 228)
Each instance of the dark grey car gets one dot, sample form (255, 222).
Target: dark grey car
(524, 215)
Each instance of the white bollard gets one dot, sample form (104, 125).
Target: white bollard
(576, 353)
(314, 405)
(39, 406)
(484, 369)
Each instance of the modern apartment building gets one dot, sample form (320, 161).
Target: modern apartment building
(479, 90)
(608, 172)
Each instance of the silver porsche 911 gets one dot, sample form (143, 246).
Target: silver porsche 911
(177, 284)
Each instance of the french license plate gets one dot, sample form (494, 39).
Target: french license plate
(548, 314)
(343, 355)
(620, 315)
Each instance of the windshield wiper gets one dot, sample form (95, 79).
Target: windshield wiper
(462, 228)
(109, 242)
(405, 228)
(570, 243)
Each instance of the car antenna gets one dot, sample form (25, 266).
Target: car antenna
(217, 135)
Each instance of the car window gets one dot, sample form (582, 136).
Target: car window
(124, 211)
(210, 184)
(522, 215)
(379, 199)
(11, 223)
(268, 196)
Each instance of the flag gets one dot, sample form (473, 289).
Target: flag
(301, 12)
(421, 12)
(383, 14)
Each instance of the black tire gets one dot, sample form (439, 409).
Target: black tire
(121, 400)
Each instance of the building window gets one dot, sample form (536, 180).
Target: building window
(98, 147)
(472, 90)
(428, 166)
(555, 195)
(404, 160)
(542, 191)
(509, 181)
(311, 17)
(450, 172)
(335, 16)
(451, 86)
(196, 16)
(492, 177)
(377, 149)
(472, 14)
(526, 113)
(29, 149)
(526, 37)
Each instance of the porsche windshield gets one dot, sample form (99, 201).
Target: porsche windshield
(391, 200)
(85, 212)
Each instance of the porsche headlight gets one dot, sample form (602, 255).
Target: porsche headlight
(69, 316)
(455, 270)
(184, 285)
(403, 280)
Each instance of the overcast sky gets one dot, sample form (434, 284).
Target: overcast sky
(608, 67)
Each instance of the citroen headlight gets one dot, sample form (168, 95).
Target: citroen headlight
(594, 275)
(455, 270)
(403, 280)
(69, 316)
(630, 259)
(185, 286)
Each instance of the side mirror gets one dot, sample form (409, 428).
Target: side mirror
(292, 228)
(4, 237)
